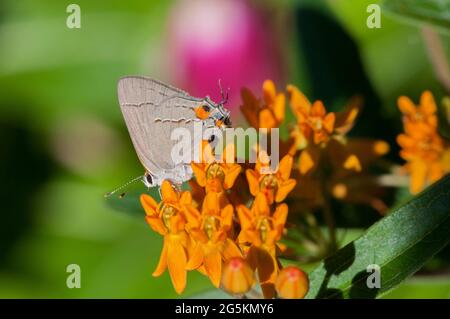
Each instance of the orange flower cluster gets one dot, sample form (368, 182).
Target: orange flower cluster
(229, 243)
(229, 226)
(426, 153)
(318, 148)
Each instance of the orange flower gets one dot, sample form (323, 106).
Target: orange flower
(292, 283)
(261, 231)
(315, 124)
(419, 120)
(268, 113)
(316, 129)
(210, 232)
(216, 176)
(426, 153)
(167, 219)
(274, 185)
(313, 120)
(237, 277)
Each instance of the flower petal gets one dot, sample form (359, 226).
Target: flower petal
(286, 166)
(162, 264)
(346, 119)
(280, 216)
(284, 189)
(176, 261)
(196, 258)
(213, 265)
(418, 176)
(199, 173)
(266, 119)
(149, 204)
(231, 175)
(318, 109)
(156, 224)
(427, 103)
(279, 107)
(298, 101)
(186, 198)
(261, 206)
(250, 107)
(328, 122)
(231, 250)
(227, 216)
(306, 162)
(252, 179)
(269, 91)
(168, 193)
(245, 217)
(211, 204)
(352, 163)
(406, 106)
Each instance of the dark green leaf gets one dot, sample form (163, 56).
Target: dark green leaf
(400, 244)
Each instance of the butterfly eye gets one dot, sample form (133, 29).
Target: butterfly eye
(149, 179)
(206, 108)
(227, 121)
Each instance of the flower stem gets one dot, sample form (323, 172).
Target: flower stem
(329, 220)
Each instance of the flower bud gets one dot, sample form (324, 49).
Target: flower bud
(237, 276)
(292, 283)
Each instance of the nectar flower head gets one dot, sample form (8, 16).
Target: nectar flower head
(210, 232)
(292, 283)
(314, 124)
(313, 120)
(421, 119)
(167, 218)
(262, 230)
(216, 176)
(274, 185)
(425, 151)
(237, 276)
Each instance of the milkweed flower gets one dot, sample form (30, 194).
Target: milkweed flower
(275, 185)
(210, 230)
(237, 277)
(319, 131)
(292, 283)
(216, 176)
(426, 153)
(260, 232)
(266, 113)
(167, 219)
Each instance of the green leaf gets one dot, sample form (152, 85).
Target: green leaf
(435, 12)
(400, 244)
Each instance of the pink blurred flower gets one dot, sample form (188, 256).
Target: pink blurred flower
(220, 39)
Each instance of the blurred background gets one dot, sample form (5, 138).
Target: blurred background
(64, 143)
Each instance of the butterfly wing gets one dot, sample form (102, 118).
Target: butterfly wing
(152, 110)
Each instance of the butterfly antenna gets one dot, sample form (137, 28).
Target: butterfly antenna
(124, 186)
(223, 94)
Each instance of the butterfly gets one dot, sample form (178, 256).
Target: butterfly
(152, 110)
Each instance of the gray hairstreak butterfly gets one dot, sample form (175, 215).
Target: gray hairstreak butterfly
(152, 110)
